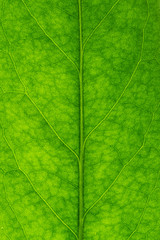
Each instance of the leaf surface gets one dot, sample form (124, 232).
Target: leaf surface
(80, 122)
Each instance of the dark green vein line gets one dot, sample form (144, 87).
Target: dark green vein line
(40, 26)
(120, 173)
(29, 180)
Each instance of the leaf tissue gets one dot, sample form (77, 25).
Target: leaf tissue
(79, 120)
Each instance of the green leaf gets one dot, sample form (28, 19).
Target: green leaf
(80, 120)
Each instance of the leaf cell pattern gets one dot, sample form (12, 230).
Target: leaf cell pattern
(79, 119)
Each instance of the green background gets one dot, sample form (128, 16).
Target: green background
(40, 131)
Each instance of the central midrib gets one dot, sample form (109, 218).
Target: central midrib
(81, 127)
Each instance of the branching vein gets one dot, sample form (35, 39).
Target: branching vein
(39, 195)
(12, 208)
(144, 210)
(115, 180)
(126, 87)
(46, 34)
(99, 24)
(35, 105)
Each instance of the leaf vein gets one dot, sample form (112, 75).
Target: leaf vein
(99, 24)
(13, 210)
(137, 152)
(38, 109)
(46, 34)
(144, 210)
(39, 195)
(127, 85)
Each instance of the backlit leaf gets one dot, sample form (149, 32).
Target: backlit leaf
(79, 119)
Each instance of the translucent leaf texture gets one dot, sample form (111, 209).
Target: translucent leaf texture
(79, 120)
